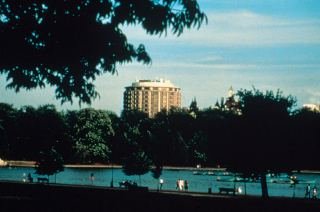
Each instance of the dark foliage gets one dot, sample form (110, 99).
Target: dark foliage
(49, 162)
(8, 126)
(136, 163)
(262, 135)
(67, 44)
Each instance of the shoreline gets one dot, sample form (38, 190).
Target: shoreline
(116, 166)
(94, 166)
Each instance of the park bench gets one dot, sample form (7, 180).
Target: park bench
(227, 190)
(127, 184)
(132, 186)
(43, 180)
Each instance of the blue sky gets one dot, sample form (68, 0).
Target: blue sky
(269, 44)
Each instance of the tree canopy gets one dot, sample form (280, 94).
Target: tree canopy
(49, 162)
(93, 130)
(264, 134)
(67, 44)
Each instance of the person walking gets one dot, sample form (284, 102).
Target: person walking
(186, 185)
(308, 191)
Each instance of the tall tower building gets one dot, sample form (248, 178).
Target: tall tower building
(151, 96)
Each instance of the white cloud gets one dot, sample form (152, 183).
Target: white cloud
(214, 63)
(314, 96)
(185, 66)
(241, 28)
(210, 59)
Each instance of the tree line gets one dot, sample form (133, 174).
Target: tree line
(251, 132)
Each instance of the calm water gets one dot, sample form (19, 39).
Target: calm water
(199, 183)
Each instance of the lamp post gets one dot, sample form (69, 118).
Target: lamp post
(111, 183)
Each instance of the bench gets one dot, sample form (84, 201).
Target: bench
(127, 184)
(132, 186)
(43, 180)
(227, 190)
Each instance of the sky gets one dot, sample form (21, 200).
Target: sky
(269, 45)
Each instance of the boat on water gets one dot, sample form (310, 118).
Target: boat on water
(280, 181)
(3, 163)
(212, 173)
(232, 179)
(197, 173)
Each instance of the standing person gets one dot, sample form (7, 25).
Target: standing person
(181, 185)
(178, 184)
(30, 179)
(161, 181)
(186, 185)
(24, 175)
(314, 192)
(308, 190)
(91, 178)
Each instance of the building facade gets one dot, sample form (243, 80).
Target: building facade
(151, 96)
(312, 107)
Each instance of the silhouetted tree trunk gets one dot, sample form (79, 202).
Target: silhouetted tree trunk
(264, 186)
(111, 184)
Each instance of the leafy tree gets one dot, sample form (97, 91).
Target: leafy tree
(135, 139)
(133, 117)
(197, 148)
(44, 128)
(115, 121)
(214, 131)
(8, 116)
(50, 128)
(28, 143)
(49, 162)
(255, 104)
(157, 171)
(135, 131)
(220, 105)
(159, 136)
(171, 133)
(117, 143)
(137, 163)
(70, 119)
(306, 129)
(93, 131)
(193, 108)
(1, 134)
(67, 44)
(261, 140)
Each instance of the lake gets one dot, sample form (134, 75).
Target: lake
(198, 181)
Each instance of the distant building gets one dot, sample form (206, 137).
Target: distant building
(231, 92)
(231, 104)
(151, 96)
(312, 107)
